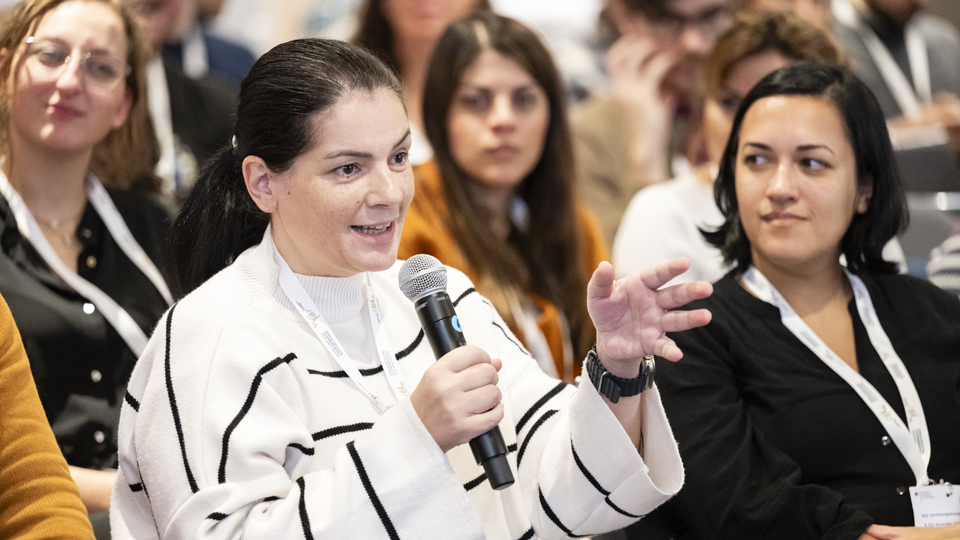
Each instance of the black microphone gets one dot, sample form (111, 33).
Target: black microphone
(423, 279)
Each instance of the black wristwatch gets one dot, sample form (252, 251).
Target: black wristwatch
(615, 387)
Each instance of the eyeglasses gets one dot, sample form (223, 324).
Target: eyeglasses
(710, 22)
(49, 58)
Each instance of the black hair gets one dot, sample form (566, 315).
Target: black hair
(866, 129)
(278, 104)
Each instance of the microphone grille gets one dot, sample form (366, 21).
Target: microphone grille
(421, 275)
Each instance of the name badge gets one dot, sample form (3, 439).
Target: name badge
(936, 505)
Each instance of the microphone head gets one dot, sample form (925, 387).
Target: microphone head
(421, 275)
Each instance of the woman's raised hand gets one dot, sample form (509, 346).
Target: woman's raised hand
(458, 399)
(631, 316)
(882, 532)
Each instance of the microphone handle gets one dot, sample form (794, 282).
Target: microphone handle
(442, 329)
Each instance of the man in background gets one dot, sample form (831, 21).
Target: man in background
(636, 132)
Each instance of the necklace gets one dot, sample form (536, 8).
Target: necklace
(65, 229)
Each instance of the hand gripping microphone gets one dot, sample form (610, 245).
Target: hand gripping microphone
(423, 279)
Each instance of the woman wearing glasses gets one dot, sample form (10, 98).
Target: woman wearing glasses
(77, 261)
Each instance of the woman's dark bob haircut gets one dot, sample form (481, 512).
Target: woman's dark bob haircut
(886, 214)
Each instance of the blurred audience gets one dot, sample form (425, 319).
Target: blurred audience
(497, 199)
(201, 53)
(910, 59)
(944, 267)
(192, 117)
(38, 499)
(627, 138)
(77, 265)
(816, 12)
(817, 395)
(663, 221)
(403, 33)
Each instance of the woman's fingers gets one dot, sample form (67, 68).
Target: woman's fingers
(482, 399)
(461, 358)
(458, 398)
(600, 285)
(680, 295)
(477, 376)
(478, 424)
(657, 276)
(678, 321)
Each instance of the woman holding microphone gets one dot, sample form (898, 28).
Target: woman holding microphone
(293, 394)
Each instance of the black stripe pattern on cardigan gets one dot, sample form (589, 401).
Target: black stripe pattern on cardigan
(340, 430)
(533, 430)
(592, 479)
(556, 521)
(132, 401)
(304, 518)
(374, 499)
(540, 403)
(222, 473)
(527, 535)
(307, 451)
(173, 402)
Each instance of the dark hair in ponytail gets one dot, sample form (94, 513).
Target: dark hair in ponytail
(278, 104)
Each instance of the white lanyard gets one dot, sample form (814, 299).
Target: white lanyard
(158, 102)
(195, 63)
(118, 318)
(913, 441)
(907, 97)
(308, 310)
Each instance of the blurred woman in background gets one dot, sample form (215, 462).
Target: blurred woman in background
(403, 34)
(496, 201)
(81, 234)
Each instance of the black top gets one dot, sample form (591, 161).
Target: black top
(777, 445)
(79, 362)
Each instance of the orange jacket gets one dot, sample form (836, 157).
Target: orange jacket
(38, 498)
(425, 230)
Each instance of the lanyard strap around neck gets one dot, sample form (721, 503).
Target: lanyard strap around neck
(311, 315)
(121, 234)
(908, 98)
(119, 319)
(913, 440)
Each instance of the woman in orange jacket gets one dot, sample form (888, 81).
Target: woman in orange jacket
(496, 201)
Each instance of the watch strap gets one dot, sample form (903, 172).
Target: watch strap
(615, 387)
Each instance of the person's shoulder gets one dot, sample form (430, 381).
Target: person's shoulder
(234, 52)
(588, 224)
(594, 113)
(938, 29)
(147, 217)
(905, 290)
(660, 198)
(139, 205)
(219, 299)
(665, 204)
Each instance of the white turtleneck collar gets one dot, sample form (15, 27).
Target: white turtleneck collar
(337, 298)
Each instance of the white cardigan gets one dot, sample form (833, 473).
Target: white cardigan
(238, 423)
